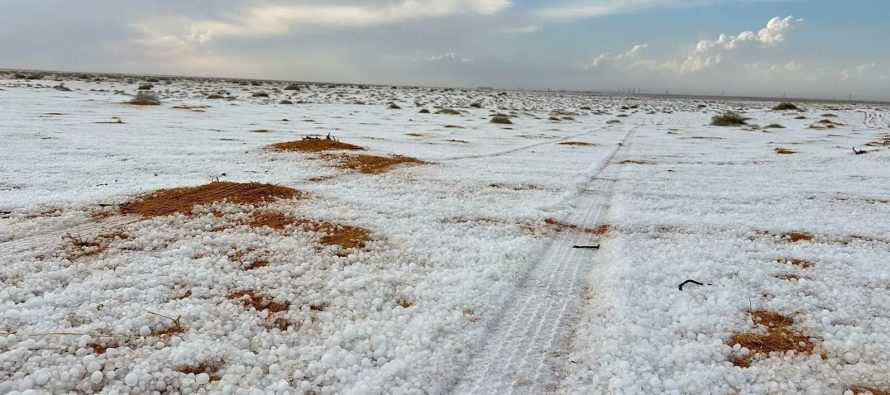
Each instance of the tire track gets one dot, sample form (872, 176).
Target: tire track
(528, 337)
(517, 149)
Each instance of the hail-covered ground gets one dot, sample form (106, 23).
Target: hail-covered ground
(175, 248)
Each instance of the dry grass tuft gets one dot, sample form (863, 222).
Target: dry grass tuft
(501, 119)
(251, 298)
(183, 200)
(371, 164)
(784, 151)
(315, 145)
(76, 246)
(729, 118)
(636, 162)
(779, 337)
(405, 302)
(785, 106)
(174, 329)
(145, 99)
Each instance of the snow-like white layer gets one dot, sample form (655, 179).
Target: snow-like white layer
(452, 237)
(701, 209)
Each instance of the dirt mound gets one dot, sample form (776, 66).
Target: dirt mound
(345, 236)
(182, 200)
(860, 390)
(371, 164)
(779, 337)
(271, 219)
(315, 145)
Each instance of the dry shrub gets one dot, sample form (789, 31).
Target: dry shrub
(145, 99)
(784, 151)
(315, 145)
(729, 118)
(779, 337)
(251, 298)
(581, 143)
(183, 200)
(500, 119)
(636, 162)
(174, 329)
(77, 246)
(371, 164)
(785, 106)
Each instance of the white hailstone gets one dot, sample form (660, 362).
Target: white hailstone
(41, 378)
(144, 331)
(131, 379)
(202, 378)
(96, 377)
(93, 366)
(26, 384)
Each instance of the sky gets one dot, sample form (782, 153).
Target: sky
(798, 48)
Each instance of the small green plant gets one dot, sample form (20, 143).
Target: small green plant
(448, 111)
(785, 106)
(144, 98)
(729, 118)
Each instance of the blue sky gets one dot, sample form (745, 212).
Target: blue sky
(812, 48)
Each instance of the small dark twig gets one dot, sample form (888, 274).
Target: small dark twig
(859, 152)
(594, 247)
(689, 282)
